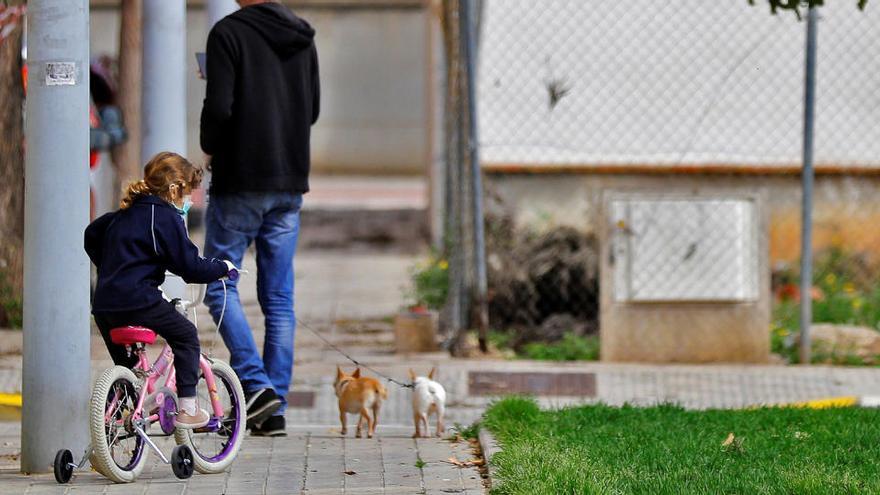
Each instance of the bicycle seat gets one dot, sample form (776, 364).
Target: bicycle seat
(132, 335)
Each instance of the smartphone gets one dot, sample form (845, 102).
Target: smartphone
(203, 69)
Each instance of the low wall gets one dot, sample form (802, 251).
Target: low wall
(847, 211)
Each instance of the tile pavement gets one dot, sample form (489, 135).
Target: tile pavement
(310, 460)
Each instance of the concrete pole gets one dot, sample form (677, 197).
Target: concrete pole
(163, 108)
(218, 9)
(164, 73)
(55, 380)
(807, 180)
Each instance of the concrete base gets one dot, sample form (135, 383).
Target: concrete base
(686, 331)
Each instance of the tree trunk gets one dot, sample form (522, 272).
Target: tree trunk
(11, 168)
(127, 156)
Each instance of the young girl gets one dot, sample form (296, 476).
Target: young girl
(132, 248)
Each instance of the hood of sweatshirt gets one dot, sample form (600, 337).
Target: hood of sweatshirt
(283, 31)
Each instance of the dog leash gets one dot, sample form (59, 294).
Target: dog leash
(353, 360)
(310, 329)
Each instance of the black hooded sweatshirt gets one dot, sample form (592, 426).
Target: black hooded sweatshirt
(263, 95)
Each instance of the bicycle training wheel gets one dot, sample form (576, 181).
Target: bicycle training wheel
(118, 452)
(214, 451)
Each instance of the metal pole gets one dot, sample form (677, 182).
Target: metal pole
(218, 9)
(55, 379)
(469, 19)
(807, 177)
(164, 73)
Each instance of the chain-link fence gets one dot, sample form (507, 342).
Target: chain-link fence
(643, 166)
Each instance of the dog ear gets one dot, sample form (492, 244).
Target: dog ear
(412, 375)
(357, 373)
(431, 374)
(339, 373)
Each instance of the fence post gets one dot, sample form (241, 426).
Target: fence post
(469, 45)
(55, 378)
(807, 179)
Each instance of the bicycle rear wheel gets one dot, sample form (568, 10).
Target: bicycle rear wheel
(214, 451)
(117, 451)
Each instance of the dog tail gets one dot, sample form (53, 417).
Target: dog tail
(382, 391)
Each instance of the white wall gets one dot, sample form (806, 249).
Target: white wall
(373, 116)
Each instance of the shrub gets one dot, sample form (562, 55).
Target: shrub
(430, 282)
(11, 307)
(845, 291)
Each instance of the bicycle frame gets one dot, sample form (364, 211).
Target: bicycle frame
(153, 373)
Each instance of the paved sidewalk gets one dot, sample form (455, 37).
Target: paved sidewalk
(311, 460)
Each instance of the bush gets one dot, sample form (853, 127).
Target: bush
(11, 307)
(845, 291)
(430, 281)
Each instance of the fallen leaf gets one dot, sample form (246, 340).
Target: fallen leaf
(463, 464)
(455, 462)
(729, 440)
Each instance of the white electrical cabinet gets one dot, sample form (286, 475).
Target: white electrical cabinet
(669, 249)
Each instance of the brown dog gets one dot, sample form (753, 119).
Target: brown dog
(359, 395)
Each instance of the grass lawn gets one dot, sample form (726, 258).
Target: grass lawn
(666, 449)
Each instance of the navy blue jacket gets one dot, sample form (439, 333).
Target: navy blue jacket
(132, 248)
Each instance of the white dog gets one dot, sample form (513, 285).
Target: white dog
(428, 396)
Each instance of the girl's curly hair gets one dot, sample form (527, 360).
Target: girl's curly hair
(161, 174)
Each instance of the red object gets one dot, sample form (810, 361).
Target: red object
(132, 335)
(94, 122)
(792, 292)
(419, 309)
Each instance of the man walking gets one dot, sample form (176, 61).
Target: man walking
(262, 98)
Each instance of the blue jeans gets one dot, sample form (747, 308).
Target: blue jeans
(271, 222)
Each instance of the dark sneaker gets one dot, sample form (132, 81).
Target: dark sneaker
(260, 405)
(274, 426)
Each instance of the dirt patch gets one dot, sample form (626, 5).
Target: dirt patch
(542, 284)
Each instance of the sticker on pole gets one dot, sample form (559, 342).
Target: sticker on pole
(60, 73)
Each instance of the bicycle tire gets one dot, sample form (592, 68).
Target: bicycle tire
(206, 460)
(121, 379)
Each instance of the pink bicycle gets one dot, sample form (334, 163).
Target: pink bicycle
(126, 402)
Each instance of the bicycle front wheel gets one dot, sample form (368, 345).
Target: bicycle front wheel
(214, 451)
(117, 451)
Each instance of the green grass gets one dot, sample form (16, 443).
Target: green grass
(467, 432)
(570, 348)
(667, 450)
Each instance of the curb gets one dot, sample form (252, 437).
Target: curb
(844, 401)
(490, 447)
(10, 400)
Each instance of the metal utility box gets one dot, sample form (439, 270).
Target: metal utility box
(684, 278)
